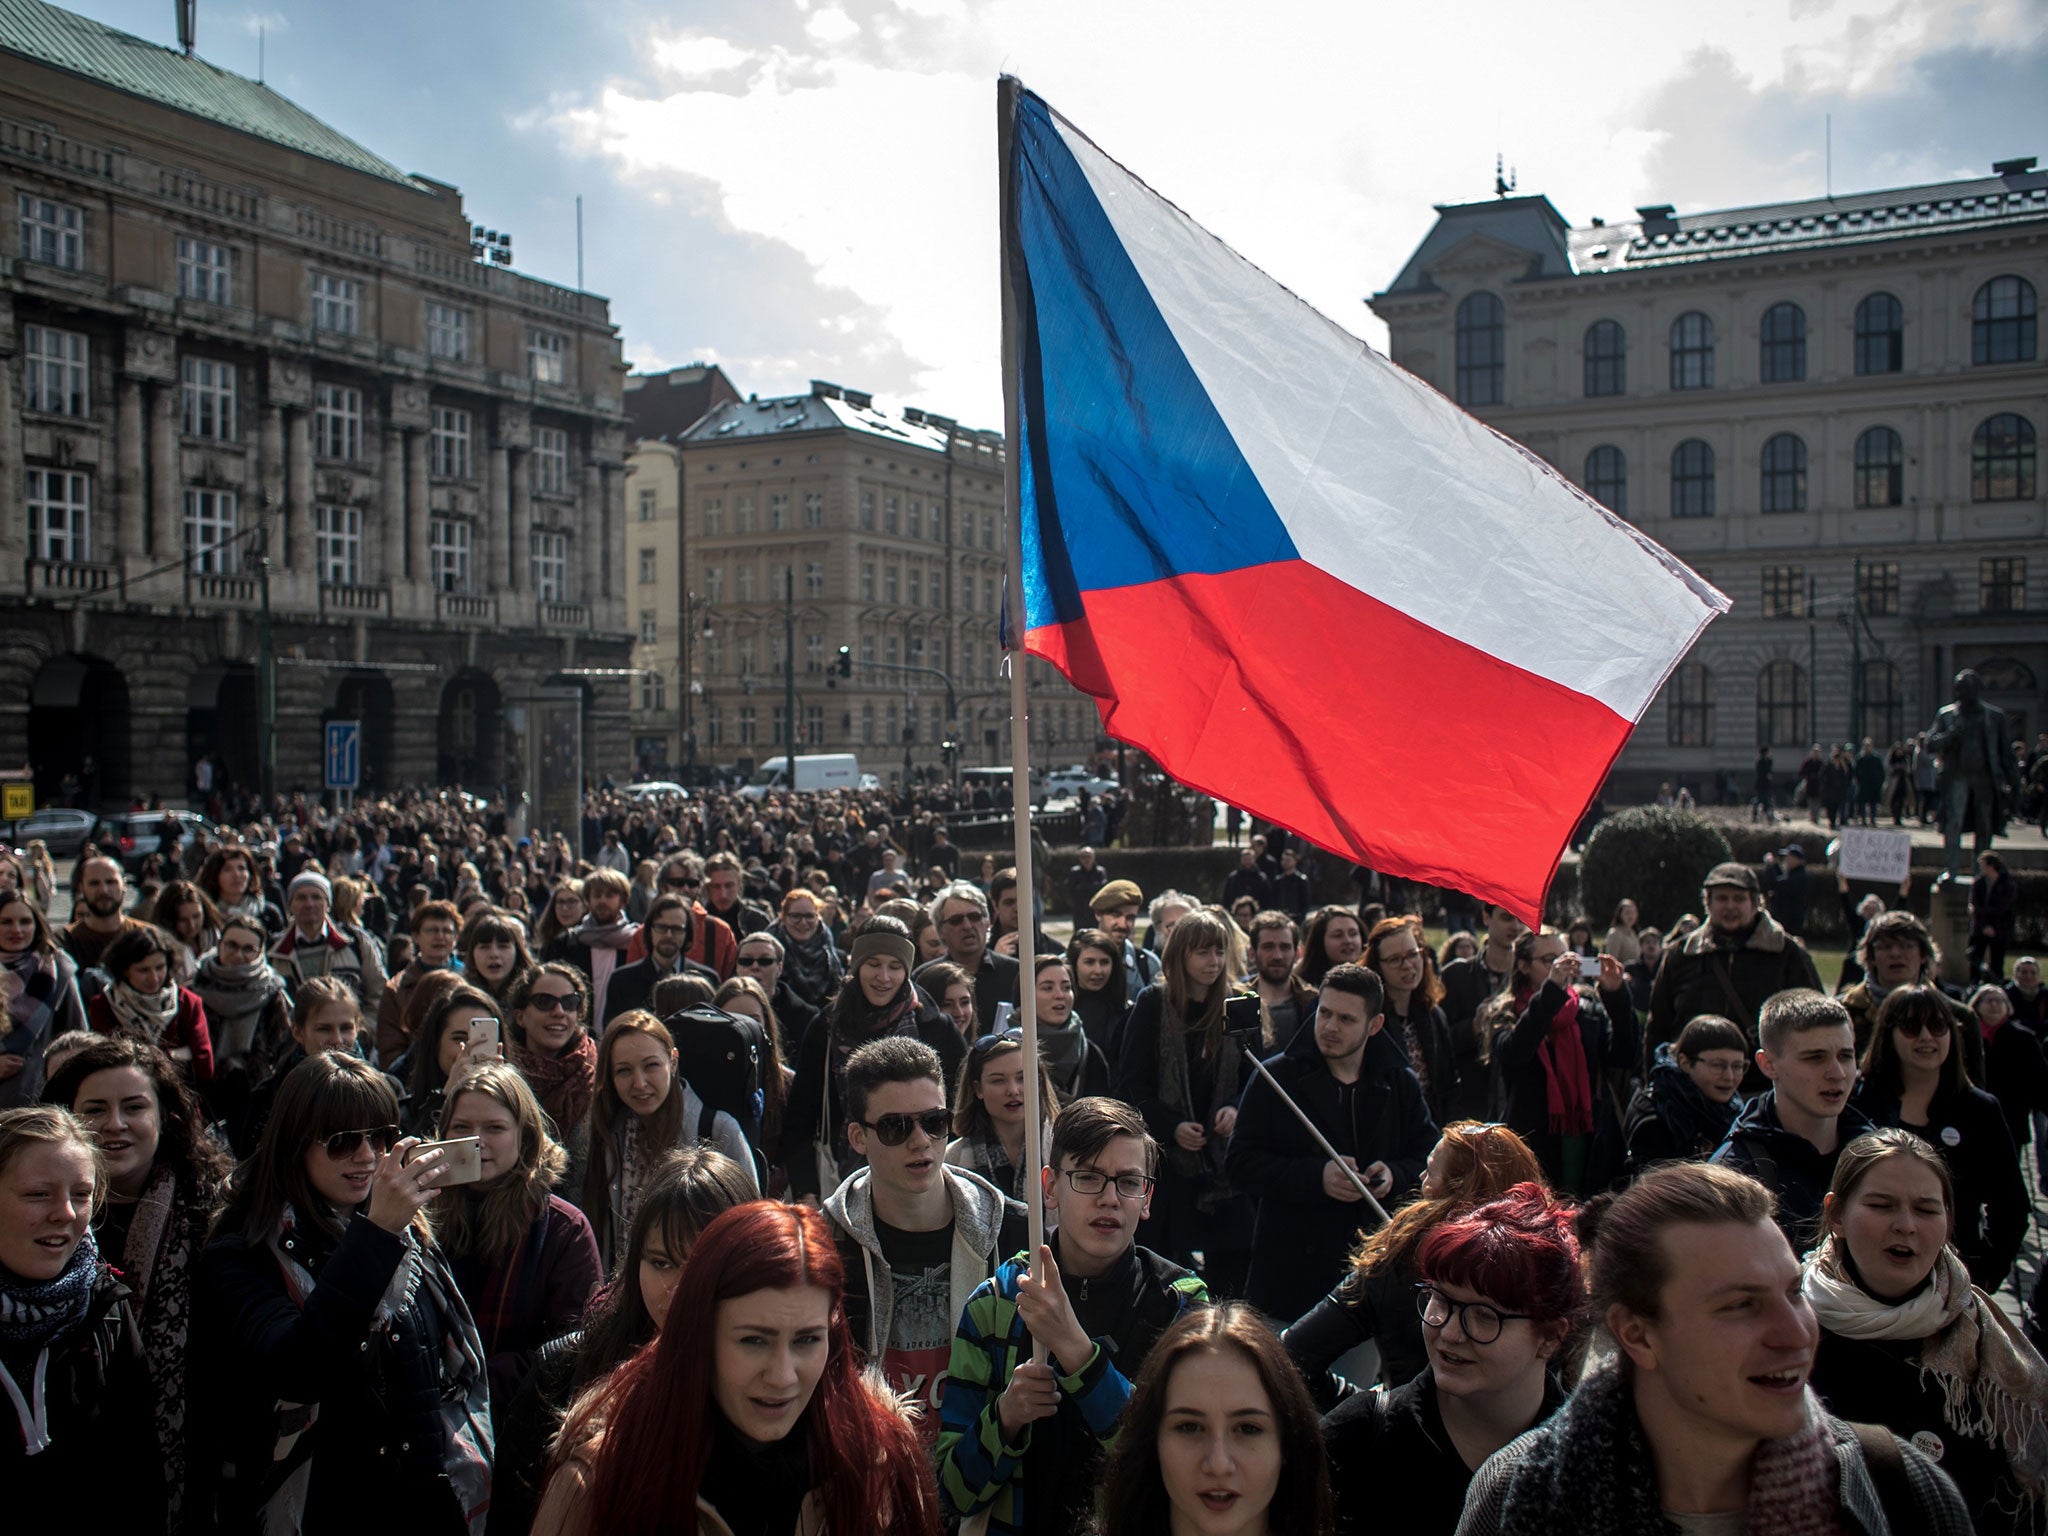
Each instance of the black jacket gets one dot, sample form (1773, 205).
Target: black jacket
(1379, 1310)
(995, 982)
(1392, 1464)
(1697, 976)
(800, 1124)
(1301, 1237)
(1607, 1029)
(1788, 1165)
(1670, 1120)
(1245, 882)
(102, 1462)
(1992, 1207)
(1468, 987)
(377, 1443)
(2017, 1071)
(632, 986)
(1439, 1058)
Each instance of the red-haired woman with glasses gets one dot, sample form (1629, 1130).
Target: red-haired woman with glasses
(345, 1387)
(749, 1408)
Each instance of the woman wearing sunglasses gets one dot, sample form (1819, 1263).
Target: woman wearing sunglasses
(1914, 1078)
(1498, 1291)
(988, 1113)
(550, 1046)
(346, 1386)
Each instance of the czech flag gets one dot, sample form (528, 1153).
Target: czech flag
(1300, 578)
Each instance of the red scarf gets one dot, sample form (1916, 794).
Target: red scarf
(1567, 1089)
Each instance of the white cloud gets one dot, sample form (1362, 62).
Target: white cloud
(1314, 138)
(255, 22)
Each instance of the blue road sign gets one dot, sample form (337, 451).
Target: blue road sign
(344, 753)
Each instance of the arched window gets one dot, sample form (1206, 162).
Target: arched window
(1784, 344)
(1781, 704)
(1884, 703)
(1692, 479)
(1880, 468)
(1784, 467)
(1482, 350)
(1606, 358)
(1692, 351)
(2003, 318)
(1607, 478)
(1689, 707)
(2002, 459)
(1880, 335)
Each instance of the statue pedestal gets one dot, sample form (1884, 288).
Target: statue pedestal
(1948, 919)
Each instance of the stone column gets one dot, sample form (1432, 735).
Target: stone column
(270, 458)
(590, 536)
(611, 544)
(519, 559)
(13, 496)
(166, 482)
(133, 493)
(418, 561)
(496, 571)
(299, 492)
(391, 508)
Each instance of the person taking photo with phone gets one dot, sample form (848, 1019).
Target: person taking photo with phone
(347, 1386)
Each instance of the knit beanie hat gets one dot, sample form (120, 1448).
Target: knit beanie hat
(883, 936)
(313, 878)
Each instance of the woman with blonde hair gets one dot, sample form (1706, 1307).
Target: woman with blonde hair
(524, 1258)
(1471, 1164)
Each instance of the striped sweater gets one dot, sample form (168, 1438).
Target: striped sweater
(1053, 1461)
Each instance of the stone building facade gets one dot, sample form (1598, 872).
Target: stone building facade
(243, 352)
(1831, 409)
(823, 518)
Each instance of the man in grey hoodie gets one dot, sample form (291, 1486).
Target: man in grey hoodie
(916, 1234)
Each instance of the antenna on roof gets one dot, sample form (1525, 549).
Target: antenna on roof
(1503, 177)
(259, 53)
(1831, 155)
(188, 24)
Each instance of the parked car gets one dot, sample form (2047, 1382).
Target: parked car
(62, 828)
(1066, 783)
(655, 789)
(135, 835)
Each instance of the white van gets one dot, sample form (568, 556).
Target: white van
(819, 772)
(997, 782)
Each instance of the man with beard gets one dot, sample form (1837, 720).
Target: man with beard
(97, 920)
(1290, 1001)
(1362, 1097)
(724, 900)
(1731, 964)
(1116, 907)
(597, 945)
(667, 933)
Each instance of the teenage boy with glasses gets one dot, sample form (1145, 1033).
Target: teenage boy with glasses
(916, 1234)
(1023, 1442)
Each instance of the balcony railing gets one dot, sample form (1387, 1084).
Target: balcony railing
(343, 598)
(462, 608)
(237, 591)
(69, 576)
(564, 615)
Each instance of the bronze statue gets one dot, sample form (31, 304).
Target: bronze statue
(1974, 746)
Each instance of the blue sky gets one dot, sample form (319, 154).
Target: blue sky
(805, 188)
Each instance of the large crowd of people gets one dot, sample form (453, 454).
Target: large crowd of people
(389, 1171)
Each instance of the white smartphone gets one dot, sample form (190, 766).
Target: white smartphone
(486, 1041)
(461, 1162)
(1589, 967)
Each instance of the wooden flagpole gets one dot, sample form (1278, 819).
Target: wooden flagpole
(1008, 89)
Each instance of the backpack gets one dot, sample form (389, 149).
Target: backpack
(722, 1058)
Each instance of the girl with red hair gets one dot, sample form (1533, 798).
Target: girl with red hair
(749, 1408)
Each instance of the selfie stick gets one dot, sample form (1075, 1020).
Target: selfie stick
(1321, 1140)
(1020, 720)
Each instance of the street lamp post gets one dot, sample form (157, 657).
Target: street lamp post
(789, 666)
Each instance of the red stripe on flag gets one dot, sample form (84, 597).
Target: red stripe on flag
(1281, 689)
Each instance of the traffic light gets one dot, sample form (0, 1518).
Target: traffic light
(846, 661)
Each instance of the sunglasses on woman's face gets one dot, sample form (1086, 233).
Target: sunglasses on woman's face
(344, 1144)
(894, 1130)
(1932, 1026)
(552, 1002)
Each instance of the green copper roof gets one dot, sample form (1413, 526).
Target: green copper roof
(81, 46)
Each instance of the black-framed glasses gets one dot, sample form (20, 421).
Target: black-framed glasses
(551, 1002)
(1932, 1024)
(344, 1144)
(673, 930)
(894, 1130)
(1093, 1181)
(1479, 1321)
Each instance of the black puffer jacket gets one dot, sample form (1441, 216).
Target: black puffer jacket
(1698, 976)
(97, 1393)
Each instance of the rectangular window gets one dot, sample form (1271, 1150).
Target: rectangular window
(889, 517)
(814, 724)
(743, 514)
(1689, 707)
(210, 524)
(1784, 592)
(551, 466)
(778, 512)
(714, 725)
(653, 692)
(339, 537)
(714, 654)
(649, 630)
(814, 578)
(204, 270)
(336, 304)
(867, 724)
(988, 532)
(777, 728)
(1877, 587)
(647, 506)
(550, 552)
(988, 594)
(209, 398)
(814, 653)
(916, 589)
(867, 650)
(2002, 584)
(59, 515)
(547, 357)
(337, 422)
(714, 583)
(52, 232)
(56, 369)
(889, 585)
(449, 540)
(447, 332)
(814, 509)
(646, 567)
(867, 583)
(448, 444)
(746, 725)
(743, 583)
